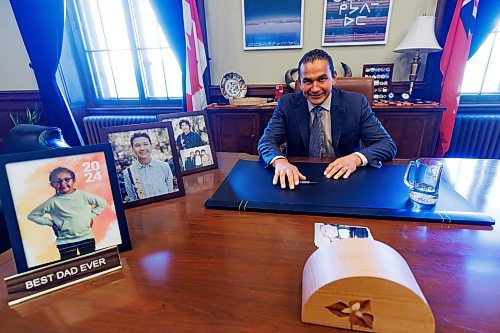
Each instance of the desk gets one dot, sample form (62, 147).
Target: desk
(198, 270)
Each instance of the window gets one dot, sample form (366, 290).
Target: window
(126, 53)
(482, 72)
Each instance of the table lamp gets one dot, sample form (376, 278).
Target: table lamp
(419, 38)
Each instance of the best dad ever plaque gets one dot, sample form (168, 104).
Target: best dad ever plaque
(46, 279)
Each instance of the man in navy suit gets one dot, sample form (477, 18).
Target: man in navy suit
(345, 120)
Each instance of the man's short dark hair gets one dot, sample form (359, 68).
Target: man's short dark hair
(139, 135)
(184, 121)
(317, 54)
(58, 170)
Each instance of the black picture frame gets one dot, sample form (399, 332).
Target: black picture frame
(164, 151)
(26, 187)
(199, 119)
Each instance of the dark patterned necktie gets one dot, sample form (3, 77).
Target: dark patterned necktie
(317, 137)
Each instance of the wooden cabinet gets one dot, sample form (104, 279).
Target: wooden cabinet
(236, 130)
(414, 129)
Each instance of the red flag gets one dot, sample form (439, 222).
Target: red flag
(196, 61)
(453, 60)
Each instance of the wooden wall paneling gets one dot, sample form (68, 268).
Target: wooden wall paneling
(16, 102)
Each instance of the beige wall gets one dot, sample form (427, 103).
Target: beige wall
(224, 28)
(15, 73)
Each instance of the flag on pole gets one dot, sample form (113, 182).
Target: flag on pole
(452, 65)
(196, 61)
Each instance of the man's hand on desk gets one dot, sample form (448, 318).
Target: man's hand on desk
(343, 166)
(285, 171)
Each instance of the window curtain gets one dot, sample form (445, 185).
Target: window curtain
(488, 15)
(41, 24)
(181, 22)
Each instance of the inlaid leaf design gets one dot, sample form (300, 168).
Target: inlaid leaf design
(356, 312)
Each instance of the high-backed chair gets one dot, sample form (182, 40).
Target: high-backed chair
(362, 85)
(24, 138)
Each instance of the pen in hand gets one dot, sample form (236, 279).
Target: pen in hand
(307, 182)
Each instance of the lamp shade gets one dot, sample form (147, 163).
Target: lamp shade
(420, 36)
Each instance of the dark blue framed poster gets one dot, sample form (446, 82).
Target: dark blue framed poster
(356, 22)
(272, 24)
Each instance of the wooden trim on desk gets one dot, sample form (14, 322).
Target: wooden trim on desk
(267, 90)
(240, 109)
(420, 108)
(263, 90)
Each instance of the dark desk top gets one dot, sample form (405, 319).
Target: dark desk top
(199, 270)
(370, 193)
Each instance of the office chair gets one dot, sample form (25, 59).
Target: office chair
(24, 138)
(362, 85)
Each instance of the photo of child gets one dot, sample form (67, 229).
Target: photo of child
(146, 177)
(64, 206)
(144, 162)
(70, 213)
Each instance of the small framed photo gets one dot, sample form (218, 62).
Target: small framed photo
(193, 140)
(146, 162)
(61, 203)
(272, 24)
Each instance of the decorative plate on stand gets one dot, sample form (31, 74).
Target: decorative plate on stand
(232, 86)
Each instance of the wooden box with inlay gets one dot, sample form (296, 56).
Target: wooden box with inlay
(363, 285)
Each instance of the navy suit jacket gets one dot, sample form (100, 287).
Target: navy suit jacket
(352, 121)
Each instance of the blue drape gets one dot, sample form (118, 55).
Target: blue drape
(169, 14)
(488, 14)
(41, 24)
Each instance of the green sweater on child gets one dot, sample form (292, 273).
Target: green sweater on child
(71, 214)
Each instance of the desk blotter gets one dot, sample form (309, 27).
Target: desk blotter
(369, 192)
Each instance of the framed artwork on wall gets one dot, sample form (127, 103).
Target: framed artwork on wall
(146, 162)
(361, 22)
(193, 140)
(61, 203)
(272, 24)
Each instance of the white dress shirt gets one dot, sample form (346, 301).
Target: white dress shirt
(326, 123)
